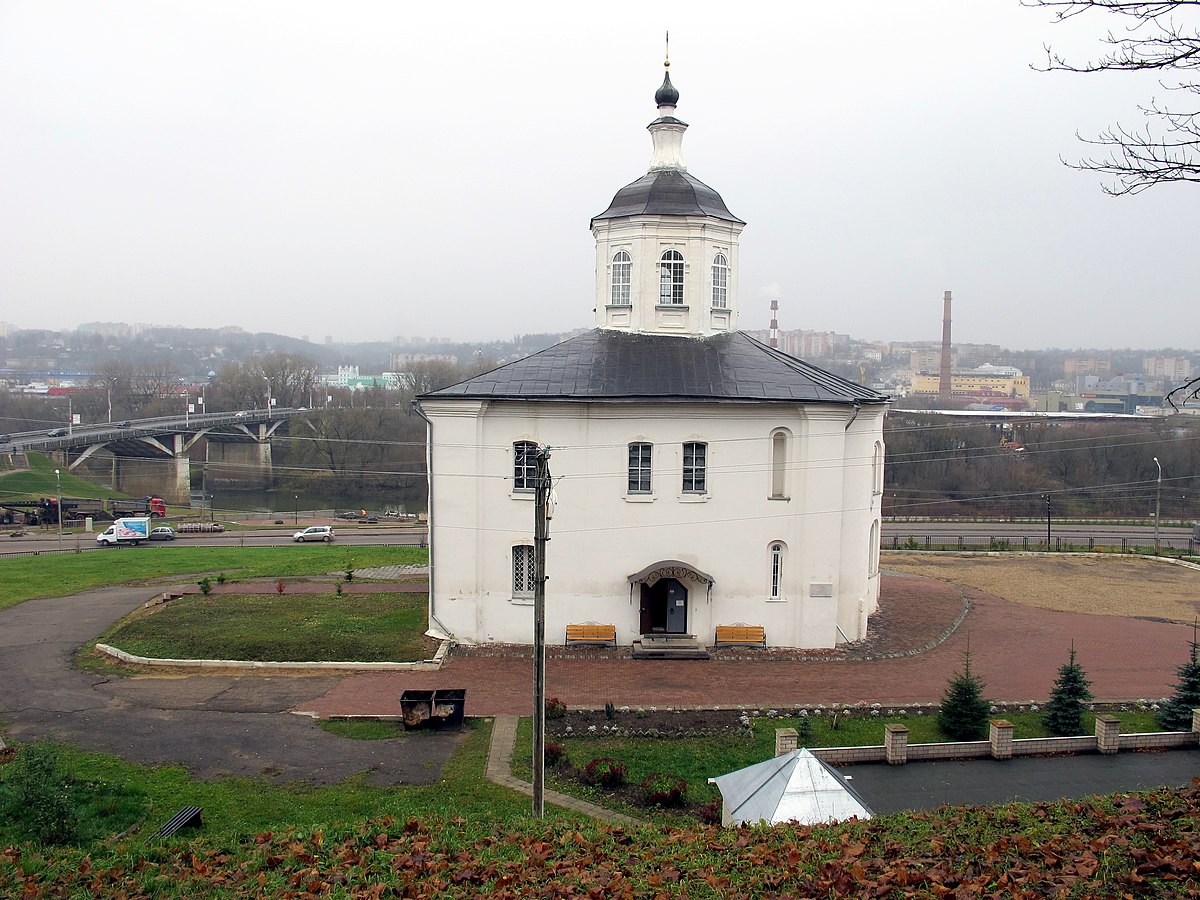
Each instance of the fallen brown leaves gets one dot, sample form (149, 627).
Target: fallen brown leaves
(1125, 846)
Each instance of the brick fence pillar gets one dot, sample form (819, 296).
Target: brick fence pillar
(1196, 722)
(786, 740)
(895, 744)
(1000, 733)
(1108, 734)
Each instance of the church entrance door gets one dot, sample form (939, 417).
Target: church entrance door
(664, 607)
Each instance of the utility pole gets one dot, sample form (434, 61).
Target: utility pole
(1157, 504)
(58, 484)
(541, 534)
(1047, 523)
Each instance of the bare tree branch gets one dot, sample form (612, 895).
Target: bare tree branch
(1167, 148)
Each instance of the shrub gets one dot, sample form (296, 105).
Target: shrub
(804, 730)
(1176, 714)
(337, 589)
(279, 586)
(610, 711)
(205, 585)
(1069, 699)
(710, 812)
(349, 567)
(606, 772)
(220, 578)
(555, 708)
(36, 793)
(659, 789)
(964, 712)
(556, 754)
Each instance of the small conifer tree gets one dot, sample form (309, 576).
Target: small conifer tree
(964, 712)
(1068, 699)
(1176, 715)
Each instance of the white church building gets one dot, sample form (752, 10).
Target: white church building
(702, 478)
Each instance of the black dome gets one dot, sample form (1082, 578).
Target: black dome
(668, 193)
(666, 95)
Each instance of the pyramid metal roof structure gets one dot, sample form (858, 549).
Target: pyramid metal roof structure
(796, 786)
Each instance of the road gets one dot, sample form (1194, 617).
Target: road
(352, 534)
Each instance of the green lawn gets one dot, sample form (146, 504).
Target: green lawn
(384, 627)
(30, 577)
(238, 807)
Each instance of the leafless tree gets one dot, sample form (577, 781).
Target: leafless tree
(1162, 37)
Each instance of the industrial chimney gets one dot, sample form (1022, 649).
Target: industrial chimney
(773, 338)
(944, 381)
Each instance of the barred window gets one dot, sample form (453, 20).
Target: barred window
(522, 570)
(639, 468)
(720, 281)
(695, 460)
(670, 278)
(622, 270)
(524, 466)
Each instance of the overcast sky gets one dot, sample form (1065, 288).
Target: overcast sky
(372, 169)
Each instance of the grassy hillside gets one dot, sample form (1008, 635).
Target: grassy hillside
(39, 481)
(1125, 845)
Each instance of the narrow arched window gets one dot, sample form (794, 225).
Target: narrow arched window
(873, 550)
(524, 466)
(877, 469)
(720, 281)
(779, 454)
(622, 271)
(670, 278)
(776, 571)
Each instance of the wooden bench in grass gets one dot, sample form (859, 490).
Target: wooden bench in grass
(740, 634)
(591, 633)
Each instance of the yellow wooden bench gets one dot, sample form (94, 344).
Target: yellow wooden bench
(740, 634)
(591, 633)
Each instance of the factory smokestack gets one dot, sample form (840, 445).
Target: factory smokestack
(773, 338)
(944, 381)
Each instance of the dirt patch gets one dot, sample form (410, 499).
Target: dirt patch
(1110, 586)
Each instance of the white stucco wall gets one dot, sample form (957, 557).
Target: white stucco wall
(646, 238)
(601, 534)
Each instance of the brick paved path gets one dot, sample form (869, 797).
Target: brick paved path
(1017, 649)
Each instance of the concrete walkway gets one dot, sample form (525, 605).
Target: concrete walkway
(499, 770)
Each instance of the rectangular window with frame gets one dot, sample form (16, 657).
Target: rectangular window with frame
(695, 467)
(639, 468)
(524, 466)
(522, 570)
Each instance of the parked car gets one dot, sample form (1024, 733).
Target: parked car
(314, 533)
(162, 533)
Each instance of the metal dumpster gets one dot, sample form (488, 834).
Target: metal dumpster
(432, 709)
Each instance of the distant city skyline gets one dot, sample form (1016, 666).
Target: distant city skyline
(384, 170)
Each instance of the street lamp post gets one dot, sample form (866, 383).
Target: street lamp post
(295, 509)
(1157, 504)
(268, 381)
(58, 483)
(1047, 523)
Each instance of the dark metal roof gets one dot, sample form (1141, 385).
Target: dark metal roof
(668, 94)
(667, 193)
(604, 365)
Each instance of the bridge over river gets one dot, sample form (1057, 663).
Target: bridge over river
(157, 456)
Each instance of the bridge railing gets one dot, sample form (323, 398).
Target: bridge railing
(1100, 543)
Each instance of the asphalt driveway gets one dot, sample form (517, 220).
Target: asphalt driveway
(214, 725)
